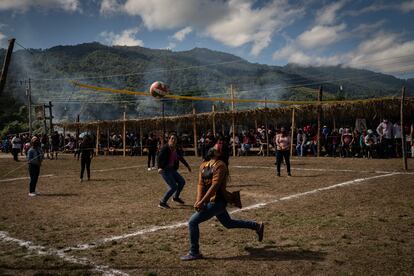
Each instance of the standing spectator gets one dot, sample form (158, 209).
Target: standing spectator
(152, 144)
(283, 150)
(55, 144)
(361, 142)
(86, 153)
(34, 159)
(396, 131)
(16, 147)
(45, 145)
(236, 143)
(168, 163)
(384, 131)
(335, 140)
(300, 142)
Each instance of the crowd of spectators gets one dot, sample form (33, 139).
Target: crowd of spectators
(384, 141)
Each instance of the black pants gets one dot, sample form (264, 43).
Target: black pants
(280, 154)
(85, 162)
(34, 172)
(15, 154)
(151, 157)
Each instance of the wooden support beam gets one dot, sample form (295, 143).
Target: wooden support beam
(404, 146)
(195, 132)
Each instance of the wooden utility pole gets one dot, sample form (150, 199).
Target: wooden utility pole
(163, 120)
(266, 129)
(77, 131)
(107, 140)
(214, 119)
(319, 120)
(292, 130)
(195, 132)
(141, 138)
(50, 118)
(404, 153)
(6, 64)
(97, 139)
(233, 119)
(44, 120)
(124, 135)
(29, 100)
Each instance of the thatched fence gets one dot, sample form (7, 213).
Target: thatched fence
(334, 114)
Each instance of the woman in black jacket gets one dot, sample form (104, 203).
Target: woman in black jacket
(168, 162)
(86, 153)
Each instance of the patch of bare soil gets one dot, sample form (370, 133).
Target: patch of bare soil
(364, 228)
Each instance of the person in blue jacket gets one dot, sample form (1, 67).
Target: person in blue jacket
(34, 160)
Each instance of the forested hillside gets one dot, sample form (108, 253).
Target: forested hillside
(196, 72)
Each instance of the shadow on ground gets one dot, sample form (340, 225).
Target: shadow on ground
(276, 253)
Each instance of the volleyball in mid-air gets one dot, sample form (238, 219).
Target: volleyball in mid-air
(159, 89)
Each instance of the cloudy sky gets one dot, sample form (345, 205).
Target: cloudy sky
(376, 35)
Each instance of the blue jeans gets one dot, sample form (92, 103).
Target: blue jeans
(300, 149)
(34, 171)
(175, 184)
(210, 210)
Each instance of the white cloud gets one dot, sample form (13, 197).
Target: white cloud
(110, 7)
(407, 6)
(327, 15)
(25, 5)
(385, 52)
(381, 52)
(321, 36)
(366, 29)
(181, 34)
(233, 22)
(126, 38)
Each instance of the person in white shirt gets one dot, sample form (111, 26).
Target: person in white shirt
(384, 130)
(16, 147)
(396, 130)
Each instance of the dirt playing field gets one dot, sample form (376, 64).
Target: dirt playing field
(334, 216)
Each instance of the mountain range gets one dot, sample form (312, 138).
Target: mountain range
(198, 71)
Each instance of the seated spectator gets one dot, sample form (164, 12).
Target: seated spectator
(370, 143)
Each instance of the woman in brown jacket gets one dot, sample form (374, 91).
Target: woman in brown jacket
(212, 199)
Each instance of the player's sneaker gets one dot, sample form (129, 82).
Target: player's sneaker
(178, 200)
(260, 231)
(191, 257)
(163, 205)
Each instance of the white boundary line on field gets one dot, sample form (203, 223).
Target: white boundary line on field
(42, 250)
(53, 175)
(24, 178)
(255, 206)
(319, 170)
